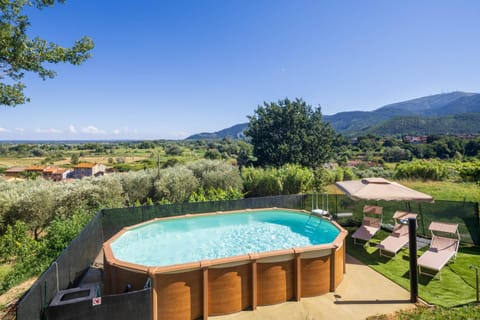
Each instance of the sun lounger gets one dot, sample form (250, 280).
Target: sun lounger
(370, 224)
(399, 237)
(442, 248)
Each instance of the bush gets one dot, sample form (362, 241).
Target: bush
(348, 174)
(215, 174)
(175, 184)
(323, 177)
(215, 195)
(422, 169)
(368, 172)
(260, 182)
(295, 179)
(470, 171)
(138, 185)
(16, 243)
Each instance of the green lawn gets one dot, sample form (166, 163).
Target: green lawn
(455, 287)
(446, 190)
(469, 312)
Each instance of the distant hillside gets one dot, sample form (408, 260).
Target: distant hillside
(466, 123)
(235, 132)
(446, 113)
(355, 122)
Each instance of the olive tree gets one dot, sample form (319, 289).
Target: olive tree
(20, 54)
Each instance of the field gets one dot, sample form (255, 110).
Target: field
(445, 190)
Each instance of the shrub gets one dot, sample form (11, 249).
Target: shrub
(470, 171)
(348, 174)
(295, 179)
(215, 195)
(215, 174)
(339, 174)
(259, 182)
(175, 184)
(422, 169)
(138, 185)
(368, 172)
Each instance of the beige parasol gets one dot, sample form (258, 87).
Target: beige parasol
(381, 189)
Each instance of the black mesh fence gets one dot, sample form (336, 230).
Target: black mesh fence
(64, 272)
(461, 212)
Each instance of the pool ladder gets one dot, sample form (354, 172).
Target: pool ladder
(311, 225)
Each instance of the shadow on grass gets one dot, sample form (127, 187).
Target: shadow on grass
(422, 279)
(425, 280)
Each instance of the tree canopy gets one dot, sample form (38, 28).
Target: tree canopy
(290, 132)
(20, 54)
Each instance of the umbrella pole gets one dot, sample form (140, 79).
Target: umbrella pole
(412, 245)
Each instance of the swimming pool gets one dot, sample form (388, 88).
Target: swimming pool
(220, 263)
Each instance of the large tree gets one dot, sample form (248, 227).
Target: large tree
(290, 132)
(20, 54)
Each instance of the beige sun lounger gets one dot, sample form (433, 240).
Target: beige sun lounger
(442, 248)
(399, 237)
(370, 225)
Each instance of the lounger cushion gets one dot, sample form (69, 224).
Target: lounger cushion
(365, 232)
(435, 260)
(393, 243)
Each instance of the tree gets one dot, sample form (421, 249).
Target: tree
(290, 132)
(75, 158)
(20, 54)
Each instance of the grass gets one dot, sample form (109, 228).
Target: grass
(5, 269)
(446, 190)
(456, 286)
(469, 312)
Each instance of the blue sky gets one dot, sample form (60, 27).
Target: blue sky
(168, 69)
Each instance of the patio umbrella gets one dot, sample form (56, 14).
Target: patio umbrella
(381, 189)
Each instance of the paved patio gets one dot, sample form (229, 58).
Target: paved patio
(362, 293)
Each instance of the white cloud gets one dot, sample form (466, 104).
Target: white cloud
(72, 129)
(50, 130)
(4, 130)
(19, 130)
(93, 130)
(116, 132)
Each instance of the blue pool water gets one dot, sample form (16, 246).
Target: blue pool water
(190, 239)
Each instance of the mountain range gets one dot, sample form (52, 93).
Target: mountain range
(446, 113)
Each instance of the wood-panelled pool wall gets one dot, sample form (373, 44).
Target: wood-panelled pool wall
(228, 285)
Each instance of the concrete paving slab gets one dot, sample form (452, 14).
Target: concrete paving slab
(362, 293)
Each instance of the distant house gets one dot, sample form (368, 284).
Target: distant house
(14, 172)
(415, 139)
(35, 168)
(88, 169)
(56, 174)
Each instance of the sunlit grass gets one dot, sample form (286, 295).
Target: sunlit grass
(446, 190)
(4, 270)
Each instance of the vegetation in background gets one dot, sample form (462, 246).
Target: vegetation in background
(288, 179)
(290, 132)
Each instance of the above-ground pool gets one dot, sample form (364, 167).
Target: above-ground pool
(219, 263)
